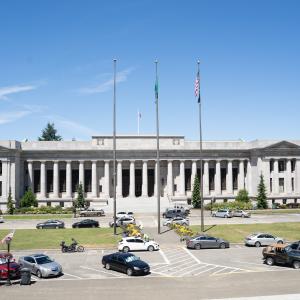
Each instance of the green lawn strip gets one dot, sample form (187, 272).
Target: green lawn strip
(38, 217)
(237, 232)
(275, 211)
(51, 238)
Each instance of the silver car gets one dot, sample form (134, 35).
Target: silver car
(40, 265)
(177, 220)
(223, 213)
(123, 221)
(241, 213)
(262, 239)
(204, 241)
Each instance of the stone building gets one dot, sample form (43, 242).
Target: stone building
(54, 169)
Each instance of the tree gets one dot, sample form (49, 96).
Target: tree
(81, 203)
(262, 196)
(196, 193)
(10, 203)
(28, 199)
(242, 196)
(50, 133)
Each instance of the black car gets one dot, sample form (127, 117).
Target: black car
(125, 263)
(87, 223)
(50, 224)
(171, 213)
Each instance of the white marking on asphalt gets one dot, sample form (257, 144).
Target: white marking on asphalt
(161, 274)
(155, 221)
(71, 275)
(101, 271)
(192, 255)
(213, 267)
(219, 271)
(102, 251)
(181, 260)
(192, 266)
(164, 256)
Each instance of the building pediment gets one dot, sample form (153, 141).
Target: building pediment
(283, 145)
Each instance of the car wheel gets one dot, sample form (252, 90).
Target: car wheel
(99, 215)
(63, 250)
(226, 216)
(280, 242)
(296, 264)
(129, 272)
(94, 226)
(222, 246)
(270, 261)
(107, 266)
(150, 248)
(197, 246)
(257, 244)
(126, 249)
(80, 249)
(243, 216)
(39, 274)
(57, 227)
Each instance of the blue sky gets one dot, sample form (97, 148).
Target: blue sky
(56, 65)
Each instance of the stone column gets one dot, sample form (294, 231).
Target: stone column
(170, 180)
(275, 181)
(241, 176)
(229, 187)
(249, 178)
(218, 178)
(68, 179)
(297, 176)
(193, 173)
(81, 173)
(119, 179)
(43, 180)
(266, 174)
(131, 179)
(106, 178)
(30, 175)
(145, 179)
(55, 179)
(182, 179)
(206, 178)
(288, 177)
(94, 179)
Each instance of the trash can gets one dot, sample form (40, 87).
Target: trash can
(25, 276)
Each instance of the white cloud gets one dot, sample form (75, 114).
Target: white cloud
(14, 89)
(107, 85)
(12, 116)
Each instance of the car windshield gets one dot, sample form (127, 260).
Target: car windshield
(3, 260)
(43, 260)
(131, 258)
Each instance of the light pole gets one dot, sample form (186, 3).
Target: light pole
(114, 148)
(7, 241)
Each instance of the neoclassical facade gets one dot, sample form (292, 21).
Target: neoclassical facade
(53, 170)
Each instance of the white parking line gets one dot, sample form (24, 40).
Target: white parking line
(100, 271)
(213, 267)
(164, 256)
(219, 271)
(192, 255)
(71, 275)
(179, 260)
(186, 268)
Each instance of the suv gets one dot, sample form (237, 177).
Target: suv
(171, 213)
(91, 212)
(223, 213)
(283, 254)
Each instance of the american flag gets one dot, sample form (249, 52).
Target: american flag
(197, 87)
(8, 238)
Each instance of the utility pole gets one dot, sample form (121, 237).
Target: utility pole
(114, 149)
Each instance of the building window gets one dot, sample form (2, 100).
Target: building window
(211, 179)
(187, 174)
(75, 180)
(281, 185)
(223, 179)
(62, 181)
(37, 181)
(61, 203)
(175, 187)
(100, 188)
(271, 185)
(293, 165)
(281, 165)
(235, 178)
(271, 165)
(293, 184)
(0, 168)
(0, 188)
(88, 180)
(283, 201)
(49, 203)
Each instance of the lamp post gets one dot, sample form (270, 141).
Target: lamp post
(7, 241)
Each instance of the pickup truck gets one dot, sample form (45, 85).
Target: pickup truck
(91, 212)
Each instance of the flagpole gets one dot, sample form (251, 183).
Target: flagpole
(201, 154)
(157, 151)
(114, 149)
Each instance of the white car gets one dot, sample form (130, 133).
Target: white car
(136, 244)
(121, 214)
(177, 220)
(1, 219)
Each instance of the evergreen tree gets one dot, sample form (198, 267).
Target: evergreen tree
(10, 204)
(50, 133)
(28, 199)
(262, 196)
(196, 201)
(242, 196)
(81, 203)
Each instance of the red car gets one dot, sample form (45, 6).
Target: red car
(14, 268)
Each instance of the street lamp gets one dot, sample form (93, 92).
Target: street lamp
(7, 241)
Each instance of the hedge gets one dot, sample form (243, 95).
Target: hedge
(229, 205)
(44, 210)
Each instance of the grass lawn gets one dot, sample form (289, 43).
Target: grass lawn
(275, 211)
(237, 232)
(37, 217)
(51, 238)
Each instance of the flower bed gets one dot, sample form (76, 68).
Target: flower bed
(184, 232)
(134, 231)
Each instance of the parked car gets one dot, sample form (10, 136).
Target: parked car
(1, 219)
(241, 213)
(123, 221)
(177, 220)
(205, 242)
(91, 212)
(41, 265)
(126, 263)
(137, 244)
(14, 268)
(121, 214)
(87, 223)
(223, 213)
(262, 239)
(282, 254)
(50, 224)
(171, 213)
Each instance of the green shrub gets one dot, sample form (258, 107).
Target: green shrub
(229, 205)
(28, 199)
(242, 196)
(44, 210)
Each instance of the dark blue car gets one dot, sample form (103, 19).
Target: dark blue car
(125, 263)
